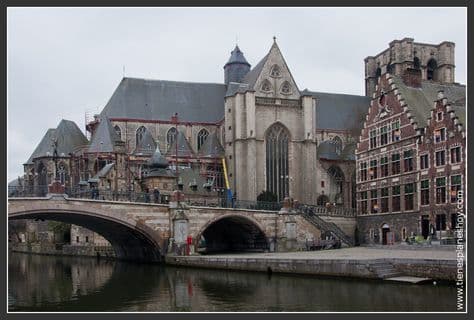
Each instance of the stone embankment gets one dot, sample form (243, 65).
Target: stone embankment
(64, 250)
(356, 262)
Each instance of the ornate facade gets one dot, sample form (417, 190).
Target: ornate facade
(410, 155)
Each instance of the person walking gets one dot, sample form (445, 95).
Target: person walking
(156, 195)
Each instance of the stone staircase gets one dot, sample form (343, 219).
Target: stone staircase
(384, 270)
(325, 226)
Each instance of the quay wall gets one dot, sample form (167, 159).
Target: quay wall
(64, 250)
(355, 268)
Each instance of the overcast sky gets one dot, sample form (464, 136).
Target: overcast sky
(64, 62)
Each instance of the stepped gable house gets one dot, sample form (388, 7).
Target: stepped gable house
(411, 152)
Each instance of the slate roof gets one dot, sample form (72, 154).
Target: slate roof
(146, 145)
(212, 147)
(339, 111)
(184, 148)
(237, 56)
(102, 172)
(158, 160)
(105, 137)
(160, 99)
(234, 87)
(327, 151)
(420, 101)
(190, 175)
(69, 139)
(252, 76)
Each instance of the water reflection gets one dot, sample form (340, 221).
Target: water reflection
(45, 283)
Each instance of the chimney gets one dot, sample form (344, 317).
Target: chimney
(412, 77)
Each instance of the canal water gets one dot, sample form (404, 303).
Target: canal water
(49, 283)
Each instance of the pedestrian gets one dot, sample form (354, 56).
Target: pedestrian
(147, 195)
(156, 195)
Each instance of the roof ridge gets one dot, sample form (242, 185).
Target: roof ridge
(171, 81)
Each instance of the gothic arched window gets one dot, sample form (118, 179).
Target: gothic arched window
(140, 134)
(62, 173)
(275, 71)
(286, 88)
(202, 136)
(118, 131)
(338, 142)
(430, 69)
(266, 86)
(170, 137)
(277, 171)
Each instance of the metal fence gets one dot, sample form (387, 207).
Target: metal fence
(142, 197)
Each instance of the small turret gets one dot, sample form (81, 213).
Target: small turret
(237, 67)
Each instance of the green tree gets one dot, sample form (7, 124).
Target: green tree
(267, 196)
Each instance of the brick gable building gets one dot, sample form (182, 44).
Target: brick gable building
(410, 155)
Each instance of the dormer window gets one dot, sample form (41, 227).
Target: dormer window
(266, 86)
(286, 88)
(275, 71)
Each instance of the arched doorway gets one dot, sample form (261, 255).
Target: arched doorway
(233, 234)
(385, 231)
(277, 167)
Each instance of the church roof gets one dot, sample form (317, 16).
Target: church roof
(212, 148)
(69, 139)
(184, 148)
(234, 87)
(420, 100)
(102, 172)
(159, 100)
(237, 56)
(327, 151)
(339, 111)
(146, 145)
(105, 137)
(251, 77)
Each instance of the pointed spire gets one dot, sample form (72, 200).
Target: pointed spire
(237, 67)
(237, 56)
(158, 160)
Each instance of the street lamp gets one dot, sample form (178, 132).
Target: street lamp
(174, 120)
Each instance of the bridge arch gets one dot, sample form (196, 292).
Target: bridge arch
(233, 233)
(131, 240)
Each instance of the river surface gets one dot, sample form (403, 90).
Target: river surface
(49, 283)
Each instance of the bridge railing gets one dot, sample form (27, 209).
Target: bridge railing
(142, 197)
(325, 211)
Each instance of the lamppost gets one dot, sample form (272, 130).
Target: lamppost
(174, 120)
(55, 158)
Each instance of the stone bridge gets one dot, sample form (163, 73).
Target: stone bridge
(147, 232)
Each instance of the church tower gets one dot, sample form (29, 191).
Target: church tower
(237, 67)
(434, 62)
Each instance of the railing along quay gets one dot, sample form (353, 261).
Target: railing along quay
(143, 197)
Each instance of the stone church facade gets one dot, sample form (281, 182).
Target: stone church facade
(270, 135)
(259, 132)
